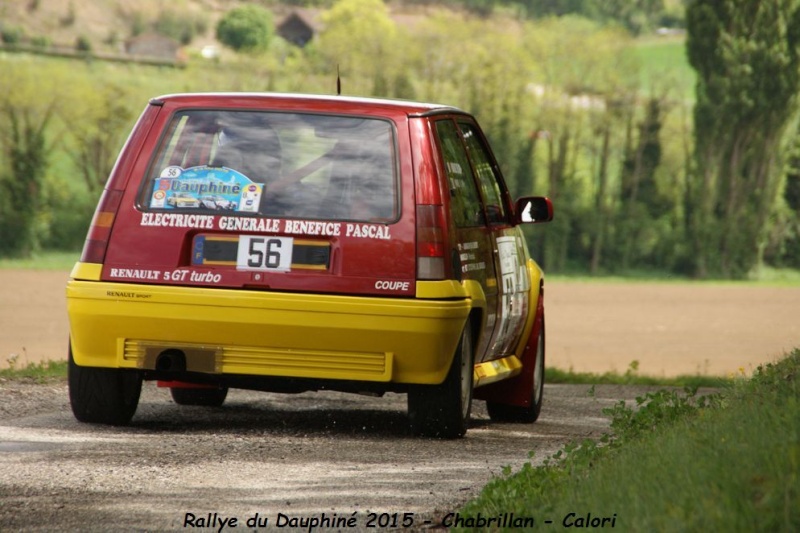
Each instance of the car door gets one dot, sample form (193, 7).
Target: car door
(473, 235)
(507, 245)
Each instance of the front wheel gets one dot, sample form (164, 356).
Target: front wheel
(442, 411)
(103, 395)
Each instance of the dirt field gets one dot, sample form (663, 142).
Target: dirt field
(669, 329)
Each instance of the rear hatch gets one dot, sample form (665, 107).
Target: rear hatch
(269, 197)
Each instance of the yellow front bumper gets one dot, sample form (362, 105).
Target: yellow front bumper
(222, 331)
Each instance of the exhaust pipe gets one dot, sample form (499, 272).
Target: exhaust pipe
(171, 361)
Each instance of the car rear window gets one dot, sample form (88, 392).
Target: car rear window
(275, 164)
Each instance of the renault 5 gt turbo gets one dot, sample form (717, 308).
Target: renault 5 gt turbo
(369, 246)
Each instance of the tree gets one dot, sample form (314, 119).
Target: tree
(585, 84)
(247, 28)
(28, 153)
(26, 149)
(98, 133)
(747, 57)
(642, 203)
(359, 39)
(784, 246)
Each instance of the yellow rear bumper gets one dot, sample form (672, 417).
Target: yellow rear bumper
(224, 331)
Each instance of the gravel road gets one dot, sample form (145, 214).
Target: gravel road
(280, 456)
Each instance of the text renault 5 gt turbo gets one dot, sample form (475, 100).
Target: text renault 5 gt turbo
(369, 246)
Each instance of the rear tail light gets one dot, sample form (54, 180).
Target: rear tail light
(94, 249)
(431, 243)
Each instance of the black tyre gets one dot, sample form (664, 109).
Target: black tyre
(442, 411)
(103, 395)
(500, 412)
(205, 397)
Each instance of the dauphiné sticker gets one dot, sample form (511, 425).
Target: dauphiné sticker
(220, 189)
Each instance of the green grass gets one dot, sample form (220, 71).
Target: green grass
(763, 276)
(776, 276)
(632, 377)
(46, 260)
(677, 462)
(665, 67)
(37, 372)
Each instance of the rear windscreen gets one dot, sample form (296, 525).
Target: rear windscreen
(275, 165)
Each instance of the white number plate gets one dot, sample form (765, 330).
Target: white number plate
(264, 253)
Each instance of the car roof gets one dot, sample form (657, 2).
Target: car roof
(307, 102)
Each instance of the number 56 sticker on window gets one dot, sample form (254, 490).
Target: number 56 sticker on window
(264, 253)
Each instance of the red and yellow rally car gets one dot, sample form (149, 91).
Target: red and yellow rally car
(370, 246)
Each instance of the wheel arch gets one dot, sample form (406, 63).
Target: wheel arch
(477, 315)
(515, 391)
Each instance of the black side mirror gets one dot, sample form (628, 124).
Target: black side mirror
(533, 210)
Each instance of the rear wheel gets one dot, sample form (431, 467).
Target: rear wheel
(501, 412)
(103, 395)
(206, 397)
(442, 411)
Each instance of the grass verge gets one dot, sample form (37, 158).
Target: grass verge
(37, 372)
(675, 462)
(763, 276)
(632, 377)
(46, 260)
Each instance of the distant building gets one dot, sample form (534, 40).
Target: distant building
(300, 26)
(153, 46)
(209, 51)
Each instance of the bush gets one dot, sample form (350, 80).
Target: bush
(179, 26)
(41, 41)
(69, 213)
(246, 28)
(83, 44)
(138, 23)
(12, 35)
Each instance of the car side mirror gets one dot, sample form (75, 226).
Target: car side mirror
(533, 210)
